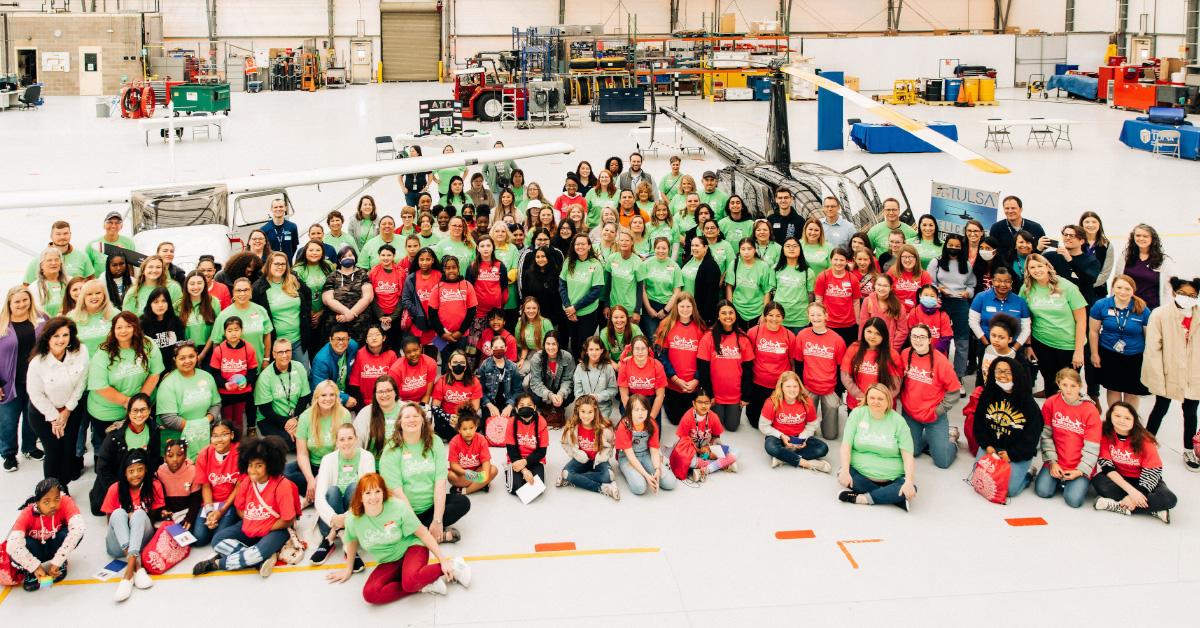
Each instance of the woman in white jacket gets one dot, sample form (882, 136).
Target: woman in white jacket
(55, 381)
(336, 481)
(1171, 362)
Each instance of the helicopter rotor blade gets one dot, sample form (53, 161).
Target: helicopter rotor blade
(917, 129)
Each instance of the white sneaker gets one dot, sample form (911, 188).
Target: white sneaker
(142, 580)
(776, 462)
(611, 490)
(820, 466)
(1111, 505)
(698, 476)
(124, 590)
(1191, 462)
(462, 571)
(1162, 515)
(268, 565)
(562, 479)
(437, 587)
(732, 468)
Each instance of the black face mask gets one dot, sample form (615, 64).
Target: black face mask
(952, 253)
(526, 413)
(458, 369)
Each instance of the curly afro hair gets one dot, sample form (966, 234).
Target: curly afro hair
(269, 449)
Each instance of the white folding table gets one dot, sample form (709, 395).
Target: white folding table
(196, 123)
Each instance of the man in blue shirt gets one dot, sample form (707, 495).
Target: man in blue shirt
(282, 234)
(838, 229)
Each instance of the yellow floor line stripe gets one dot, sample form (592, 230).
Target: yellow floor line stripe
(303, 568)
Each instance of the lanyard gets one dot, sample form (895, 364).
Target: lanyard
(1122, 320)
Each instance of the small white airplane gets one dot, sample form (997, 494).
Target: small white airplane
(196, 216)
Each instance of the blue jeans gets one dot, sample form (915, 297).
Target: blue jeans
(589, 476)
(239, 551)
(127, 533)
(339, 500)
(888, 493)
(1074, 491)
(12, 414)
(204, 535)
(1018, 477)
(813, 449)
(292, 472)
(299, 354)
(959, 310)
(935, 436)
(650, 325)
(636, 482)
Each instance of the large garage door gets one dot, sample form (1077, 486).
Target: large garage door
(412, 33)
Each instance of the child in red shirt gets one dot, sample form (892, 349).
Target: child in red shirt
(588, 440)
(789, 421)
(820, 351)
(1070, 441)
(471, 466)
(415, 373)
(725, 365)
(706, 453)
(526, 440)
(217, 475)
(1129, 469)
(837, 289)
(370, 363)
(928, 391)
(871, 359)
(177, 475)
(460, 387)
(236, 363)
(48, 528)
(495, 327)
(133, 505)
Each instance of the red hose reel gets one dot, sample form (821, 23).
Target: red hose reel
(137, 101)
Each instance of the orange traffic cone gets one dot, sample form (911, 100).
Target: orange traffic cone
(962, 97)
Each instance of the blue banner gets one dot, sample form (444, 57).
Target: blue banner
(952, 206)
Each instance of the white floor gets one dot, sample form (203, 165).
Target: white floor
(711, 553)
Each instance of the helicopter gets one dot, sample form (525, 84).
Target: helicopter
(755, 177)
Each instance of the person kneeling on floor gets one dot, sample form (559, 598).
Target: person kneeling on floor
(1129, 480)
(133, 505)
(789, 421)
(48, 528)
(877, 453)
(1070, 441)
(386, 527)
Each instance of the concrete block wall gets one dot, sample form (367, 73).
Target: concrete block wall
(118, 35)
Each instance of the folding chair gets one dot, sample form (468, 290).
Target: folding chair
(1040, 134)
(385, 147)
(1165, 143)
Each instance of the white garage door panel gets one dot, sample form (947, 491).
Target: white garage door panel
(410, 45)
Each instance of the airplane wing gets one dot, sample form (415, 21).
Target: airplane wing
(256, 183)
(945, 144)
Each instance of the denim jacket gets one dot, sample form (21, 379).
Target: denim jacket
(500, 385)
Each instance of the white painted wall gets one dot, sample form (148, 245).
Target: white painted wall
(878, 61)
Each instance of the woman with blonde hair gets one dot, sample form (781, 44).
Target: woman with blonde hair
(50, 286)
(316, 436)
(93, 314)
(1059, 314)
(288, 303)
(153, 275)
(789, 421)
(877, 465)
(415, 464)
(20, 323)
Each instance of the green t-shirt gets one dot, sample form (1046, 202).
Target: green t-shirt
(817, 256)
(347, 471)
(285, 313)
(668, 185)
(124, 373)
(597, 201)
(460, 250)
(661, 230)
(875, 444)
(771, 253)
(1053, 314)
(406, 468)
(735, 230)
(878, 235)
(622, 281)
(616, 345)
(792, 289)
(196, 329)
(388, 536)
(97, 256)
(684, 222)
(190, 398)
(320, 437)
(366, 227)
(369, 256)
(688, 274)
(135, 301)
(751, 282)
(77, 263)
(431, 240)
(661, 278)
(255, 327)
(282, 390)
(314, 277)
(722, 253)
(444, 175)
(92, 331)
(928, 251)
(54, 297)
(528, 337)
(340, 241)
(134, 440)
(716, 200)
(510, 255)
(588, 273)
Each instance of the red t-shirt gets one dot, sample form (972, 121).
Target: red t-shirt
(452, 300)
(527, 436)
(387, 285)
(564, 204)
(221, 475)
(822, 356)
(1070, 427)
(682, 345)
(454, 395)
(772, 354)
(369, 367)
(701, 432)
(927, 380)
(790, 418)
(726, 365)
(868, 371)
(221, 291)
(587, 441)
(866, 283)
(35, 526)
(938, 323)
(487, 288)
(472, 455)
(624, 438)
(413, 380)
(907, 285)
(1128, 462)
(230, 362)
(838, 294)
(425, 287)
(279, 495)
(112, 499)
(641, 380)
(485, 343)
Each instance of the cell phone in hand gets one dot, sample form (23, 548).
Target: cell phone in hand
(1052, 243)
(797, 441)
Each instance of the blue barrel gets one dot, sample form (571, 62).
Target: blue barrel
(953, 85)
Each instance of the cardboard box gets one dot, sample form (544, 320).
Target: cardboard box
(728, 23)
(739, 93)
(1169, 66)
(765, 27)
(852, 82)
(1013, 30)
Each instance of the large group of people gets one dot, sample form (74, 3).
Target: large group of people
(390, 353)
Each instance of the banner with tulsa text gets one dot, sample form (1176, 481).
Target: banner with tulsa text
(952, 206)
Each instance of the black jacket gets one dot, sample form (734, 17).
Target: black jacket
(112, 453)
(1082, 271)
(1009, 422)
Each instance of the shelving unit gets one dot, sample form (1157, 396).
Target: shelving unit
(657, 59)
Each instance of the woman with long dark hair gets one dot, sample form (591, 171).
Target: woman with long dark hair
(551, 379)
(1145, 261)
(127, 363)
(581, 287)
(702, 280)
(868, 360)
(55, 381)
(162, 326)
(1008, 419)
(722, 366)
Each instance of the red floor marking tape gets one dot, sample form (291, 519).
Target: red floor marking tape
(842, 545)
(554, 547)
(784, 535)
(1018, 522)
